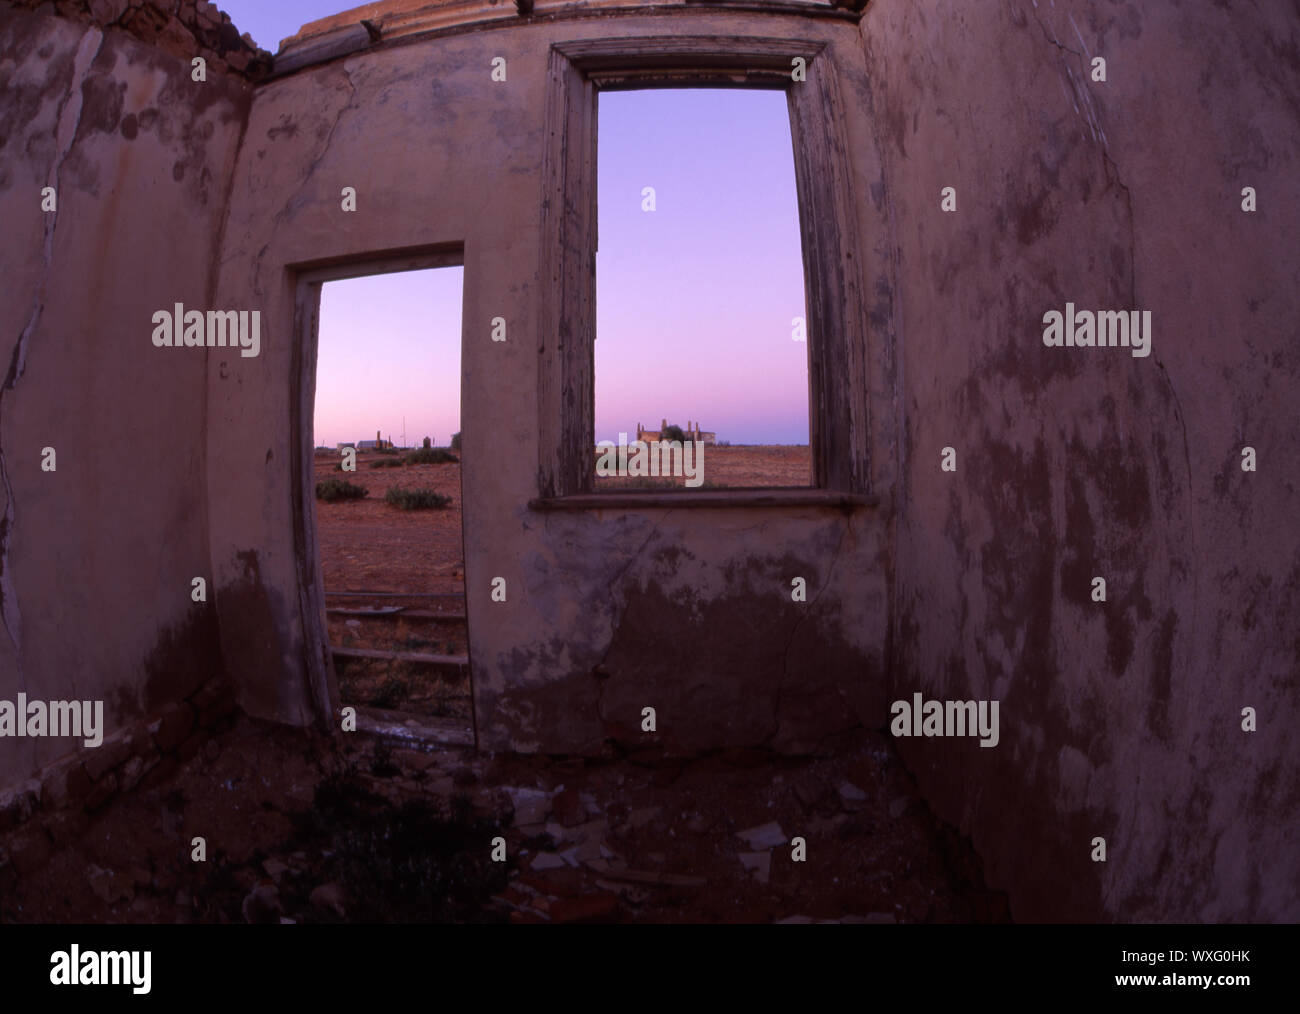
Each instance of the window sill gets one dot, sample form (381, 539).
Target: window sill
(740, 497)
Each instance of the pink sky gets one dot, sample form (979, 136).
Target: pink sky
(694, 300)
(390, 345)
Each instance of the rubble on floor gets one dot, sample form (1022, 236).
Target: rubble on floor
(305, 828)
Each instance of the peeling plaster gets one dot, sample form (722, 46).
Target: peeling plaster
(67, 119)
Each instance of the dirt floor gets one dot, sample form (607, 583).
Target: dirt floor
(354, 827)
(304, 828)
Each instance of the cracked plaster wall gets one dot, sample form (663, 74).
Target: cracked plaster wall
(688, 611)
(1120, 719)
(96, 558)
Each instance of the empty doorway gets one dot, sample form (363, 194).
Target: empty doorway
(383, 508)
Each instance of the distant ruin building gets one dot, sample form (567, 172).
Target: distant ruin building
(378, 444)
(691, 429)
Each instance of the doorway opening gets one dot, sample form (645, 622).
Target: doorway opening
(386, 508)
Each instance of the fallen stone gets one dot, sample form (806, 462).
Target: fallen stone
(630, 893)
(66, 826)
(547, 861)
(103, 791)
(105, 12)
(765, 836)
(102, 759)
(132, 771)
(851, 792)
(531, 805)
(173, 727)
(66, 783)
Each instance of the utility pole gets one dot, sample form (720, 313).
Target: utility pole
(403, 432)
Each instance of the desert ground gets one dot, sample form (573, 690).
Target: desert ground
(308, 828)
(414, 563)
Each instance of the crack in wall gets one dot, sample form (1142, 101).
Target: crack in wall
(1112, 176)
(65, 135)
(1111, 883)
(294, 202)
(1079, 93)
(1052, 36)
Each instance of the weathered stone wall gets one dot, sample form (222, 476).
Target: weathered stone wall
(97, 556)
(53, 809)
(1120, 719)
(181, 28)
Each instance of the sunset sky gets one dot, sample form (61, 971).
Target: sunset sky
(694, 300)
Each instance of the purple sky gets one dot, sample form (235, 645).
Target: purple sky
(269, 21)
(694, 299)
(390, 346)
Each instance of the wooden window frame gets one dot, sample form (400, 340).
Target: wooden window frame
(828, 224)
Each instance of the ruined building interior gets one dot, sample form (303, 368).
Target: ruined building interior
(963, 170)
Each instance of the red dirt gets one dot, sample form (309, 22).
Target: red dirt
(280, 846)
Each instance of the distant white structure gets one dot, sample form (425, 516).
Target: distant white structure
(378, 444)
(692, 431)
